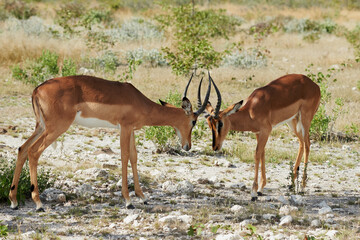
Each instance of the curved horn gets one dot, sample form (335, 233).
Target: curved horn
(199, 94)
(187, 86)
(203, 106)
(218, 104)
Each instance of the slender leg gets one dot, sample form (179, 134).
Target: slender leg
(22, 156)
(263, 174)
(125, 136)
(133, 161)
(296, 122)
(34, 152)
(306, 159)
(261, 138)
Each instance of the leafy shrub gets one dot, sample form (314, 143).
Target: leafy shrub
(134, 29)
(164, 136)
(3, 230)
(245, 59)
(109, 61)
(68, 16)
(152, 56)
(193, 29)
(69, 68)
(95, 16)
(7, 168)
(42, 69)
(19, 9)
(323, 122)
(353, 37)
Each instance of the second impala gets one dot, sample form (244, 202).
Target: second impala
(292, 99)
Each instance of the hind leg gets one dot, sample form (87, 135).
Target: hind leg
(298, 129)
(22, 156)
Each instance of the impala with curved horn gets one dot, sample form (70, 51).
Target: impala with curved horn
(292, 99)
(95, 102)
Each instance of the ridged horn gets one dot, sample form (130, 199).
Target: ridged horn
(203, 106)
(187, 86)
(199, 94)
(218, 104)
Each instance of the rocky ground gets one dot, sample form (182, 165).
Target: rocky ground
(196, 194)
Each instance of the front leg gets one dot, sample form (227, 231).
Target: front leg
(261, 138)
(133, 161)
(125, 154)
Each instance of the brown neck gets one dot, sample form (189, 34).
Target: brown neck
(241, 121)
(164, 116)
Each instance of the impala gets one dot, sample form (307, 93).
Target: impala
(292, 99)
(94, 102)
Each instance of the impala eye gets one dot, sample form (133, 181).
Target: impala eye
(194, 122)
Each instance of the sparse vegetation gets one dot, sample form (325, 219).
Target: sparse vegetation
(45, 180)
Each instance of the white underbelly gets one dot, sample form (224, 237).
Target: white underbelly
(93, 122)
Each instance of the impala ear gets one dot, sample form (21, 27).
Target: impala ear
(233, 109)
(186, 105)
(209, 109)
(166, 104)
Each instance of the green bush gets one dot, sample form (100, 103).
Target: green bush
(162, 136)
(3, 230)
(43, 68)
(7, 168)
(353, 37)
(193, 29)
(323, 122)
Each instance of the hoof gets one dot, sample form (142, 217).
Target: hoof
(260, 194)
(146, 202)
(253, 199)
(40, 210)
(15, 208)
(291, 187)
(130, 206)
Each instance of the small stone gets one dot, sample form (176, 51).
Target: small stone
(236, 208)
(217, 218)
(268, 216)
(247, 222)
(228, 237)
(332, 234)
(286, 210)
(85, 190)
(239, 186)
(28, 235)
(325, 210)
(286, 220)
(346, 147)
(283, 200)
(110, 166)
(53, 195)
(296, 200)
(315, 223)
(129, 219)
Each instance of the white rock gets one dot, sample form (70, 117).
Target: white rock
(172, 221)
(286, 220)
(228, 237)
(236, 208)
(315, 223)
(85, 190)
(86, 71)
(286, 210)
(213, 179)
(346, 147)
(93, 173)
(238, 186)
(325, 210)
(53, 195)
(247, 222)
(185, 187)
(332, 234)
(296, 200)
(130, 218)
(323, 204)
(283, 200)
(130, 181)
(268, 216)
(223, 162)
(28, 235)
